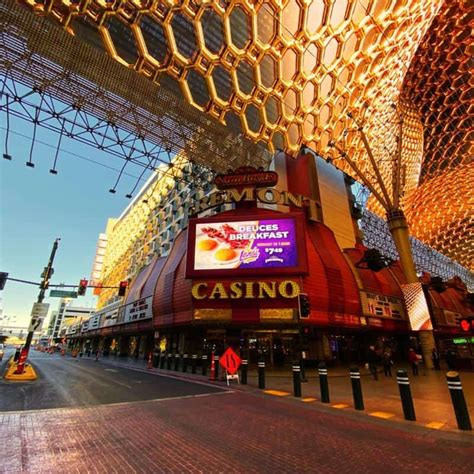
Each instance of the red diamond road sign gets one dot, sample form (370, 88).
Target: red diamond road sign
(230, 361)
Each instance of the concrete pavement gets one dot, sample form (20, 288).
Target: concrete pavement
(245, 430)
(430, 393)
(235, 433)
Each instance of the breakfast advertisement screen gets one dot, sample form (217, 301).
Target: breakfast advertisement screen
(256, 244)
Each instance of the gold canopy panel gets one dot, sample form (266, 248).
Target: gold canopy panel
(285, 73)
(282, 72)
(440, 85)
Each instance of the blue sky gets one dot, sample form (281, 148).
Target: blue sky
(36, 207)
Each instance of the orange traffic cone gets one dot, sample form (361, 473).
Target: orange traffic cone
(149, 365)
(212, 373)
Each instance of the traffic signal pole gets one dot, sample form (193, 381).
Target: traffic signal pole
(43, 287)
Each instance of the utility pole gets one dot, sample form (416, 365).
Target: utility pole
(47, 273)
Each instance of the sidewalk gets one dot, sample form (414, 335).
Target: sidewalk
(429, 390)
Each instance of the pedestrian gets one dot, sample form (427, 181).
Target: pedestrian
(387, 363)
(414, 360)
(372, 362)
(451, 359)
(435, 359)
(97, 352)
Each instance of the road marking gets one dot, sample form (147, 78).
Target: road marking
(435, 425)
(110, 370)
(277, 393)
(382, 414)
(340, 405)
(308, 399)
(88, 407)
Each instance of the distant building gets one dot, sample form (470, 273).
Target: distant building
(66, 312)
(148, 226)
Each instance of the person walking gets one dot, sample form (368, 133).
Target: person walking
(387, 363)
(435, 358)
(372, 362)
(414, 360)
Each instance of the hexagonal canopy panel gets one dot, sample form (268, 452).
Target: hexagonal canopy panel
(287, 73)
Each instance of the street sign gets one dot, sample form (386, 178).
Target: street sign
(62, 294)
(40, 310)
(38, 313)
(230, 361)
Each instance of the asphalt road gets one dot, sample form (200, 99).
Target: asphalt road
(68, 382)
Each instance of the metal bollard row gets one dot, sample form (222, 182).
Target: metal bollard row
(354, 373)
(459, 402)
(176, 361)
(405, 395)
(323, 382)
(296, 380)
(193, 363)
(244, 371)
(204, 361)
(185, 363)
(216, 368)
(261, 375)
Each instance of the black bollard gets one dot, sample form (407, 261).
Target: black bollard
(323, 382)
(216, 366)
(459, 402)
(204, 364)
(405, 395)
(194, 359)
(156, 359)
(261, 374)
(297, 380)
(243, 371)
(354, 372)
(168, 361)
(162, 360)
(185, 362)
(176, 361)
(303, 367)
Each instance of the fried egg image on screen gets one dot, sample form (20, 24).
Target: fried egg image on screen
(225, 255)
(207, 244)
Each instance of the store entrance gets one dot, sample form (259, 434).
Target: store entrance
(276, 348)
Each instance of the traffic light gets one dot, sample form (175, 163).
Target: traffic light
(437, 284)
(46, 275)
(3, 279)
(467, 324)
(123, 288)
(81, 291)
(304, 305)
(373, 260)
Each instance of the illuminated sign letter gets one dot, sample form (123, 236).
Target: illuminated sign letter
(290, 199)
(195, 291)
(286, 285)
(218, 292)
(233, 195)
(263, 195)
(248, 289)
(236, 290)
(215, 199)
(268, 289)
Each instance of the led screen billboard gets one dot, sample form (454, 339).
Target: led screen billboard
(260, 246)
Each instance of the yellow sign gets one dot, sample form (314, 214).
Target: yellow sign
(163, 344)
(246, 290)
